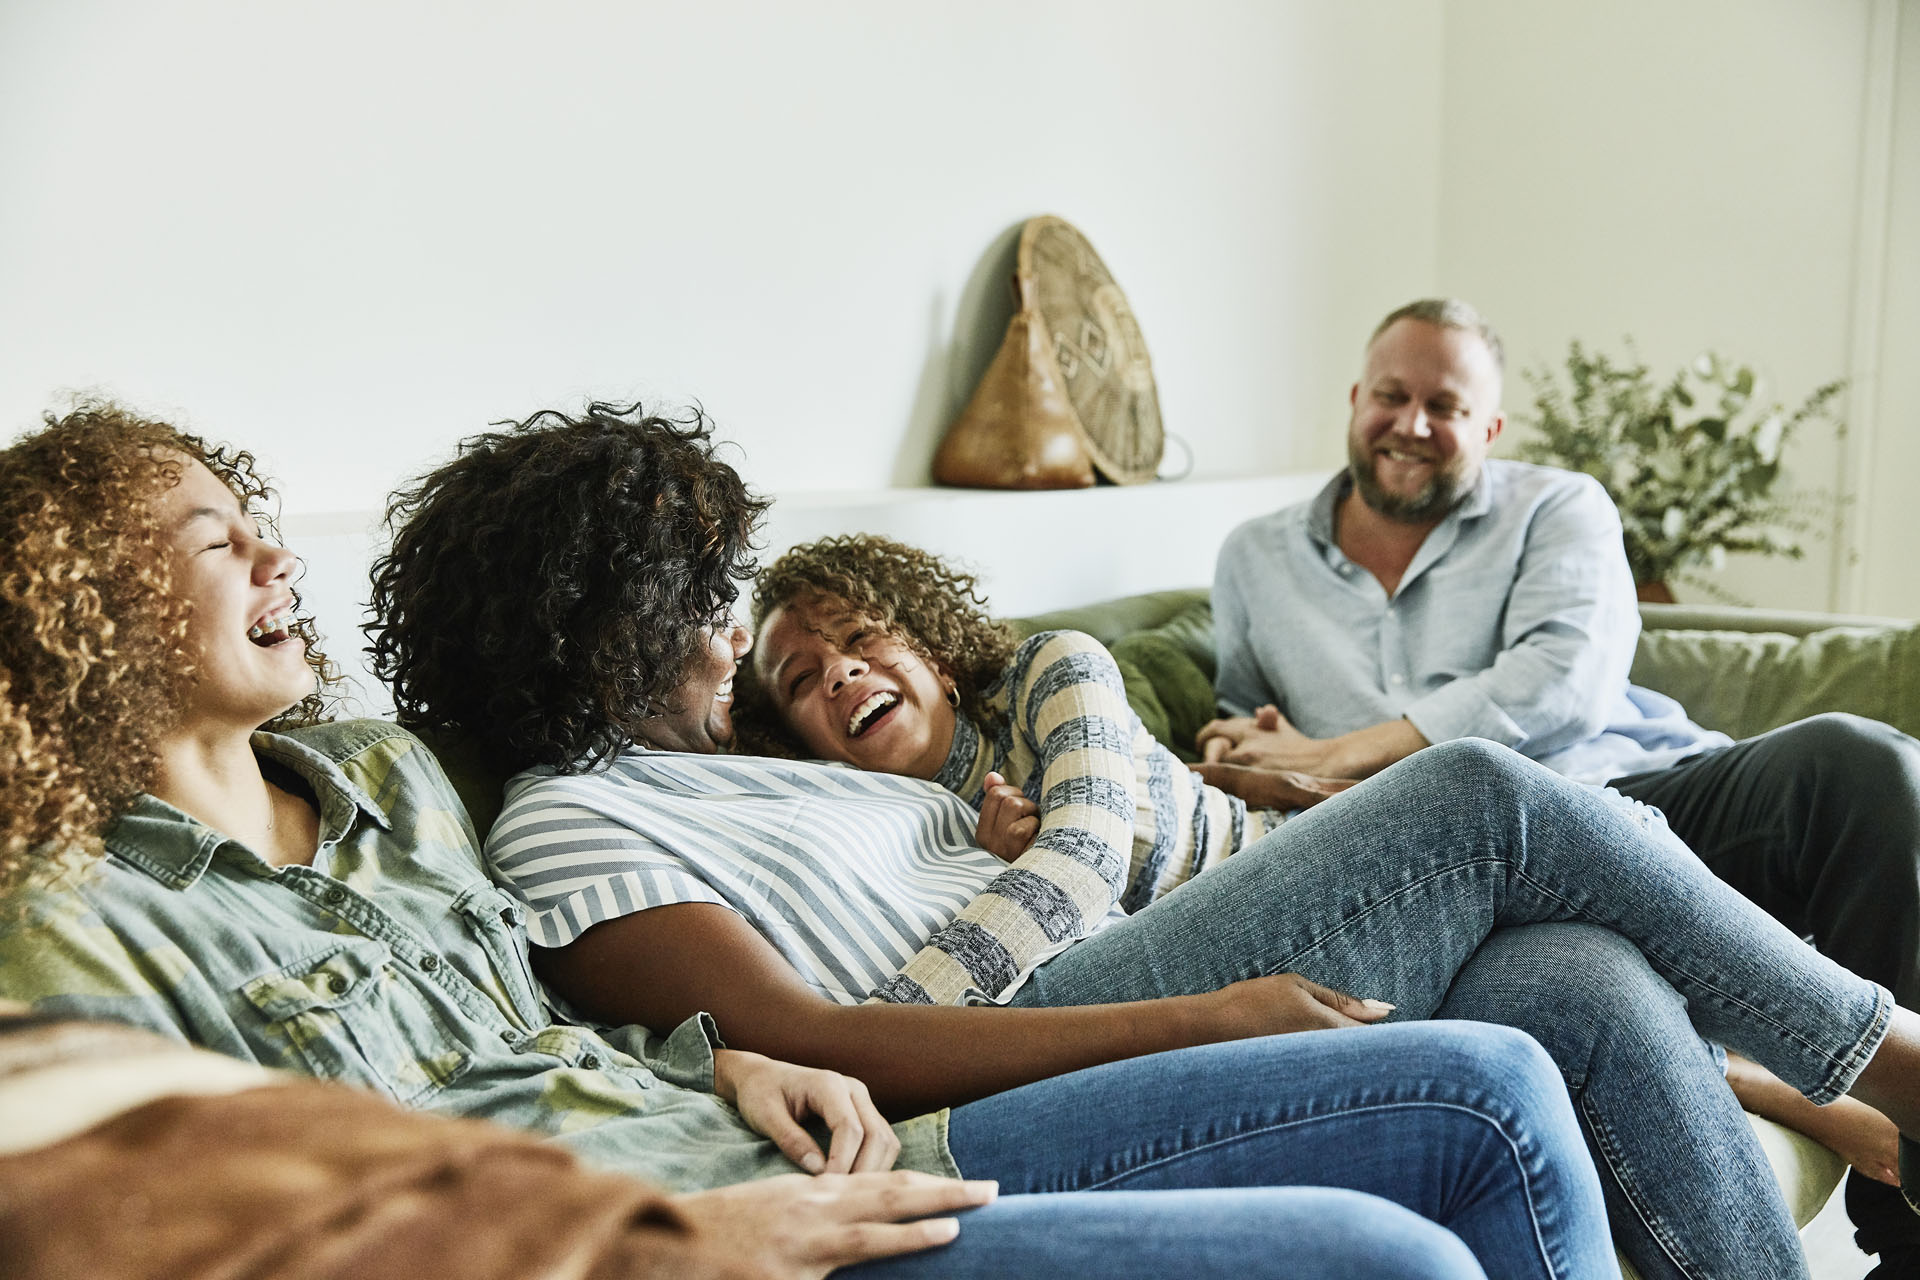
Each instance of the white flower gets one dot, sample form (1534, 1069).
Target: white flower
(1766, 437)
(1672, 523)
(1716, 557)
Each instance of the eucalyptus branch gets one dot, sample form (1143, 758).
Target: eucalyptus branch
(1691, 461)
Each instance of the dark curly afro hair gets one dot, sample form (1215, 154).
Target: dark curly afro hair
(547, 589)
(95, 665)
(930, 606)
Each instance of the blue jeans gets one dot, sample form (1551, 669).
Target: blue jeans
(1431, 1150)
(1819, 823)
(1648, 1091)
(1390, 889)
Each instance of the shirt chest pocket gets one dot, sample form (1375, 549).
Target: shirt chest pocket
(348, 1013)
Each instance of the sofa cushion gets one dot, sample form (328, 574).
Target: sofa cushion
(1743, 683)
(1108, 620)
(1175, 661)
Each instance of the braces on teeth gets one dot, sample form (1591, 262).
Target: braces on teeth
(280, 624)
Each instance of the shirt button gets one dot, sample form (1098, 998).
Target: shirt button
(507, 1036)
(337, 983)
(590, 1061)
(429, 963)
(1397, 678)
(336, 896)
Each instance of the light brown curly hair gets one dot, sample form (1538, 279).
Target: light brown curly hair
(929, 605)
(94, 663)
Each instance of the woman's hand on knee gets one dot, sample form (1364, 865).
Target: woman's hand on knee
(1287, 1002)
(801, 1228)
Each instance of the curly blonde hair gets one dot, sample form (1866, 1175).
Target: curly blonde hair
(94, 663)
(929, 605)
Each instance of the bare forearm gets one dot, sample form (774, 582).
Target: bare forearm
(1767, 1095)
(1267, 741)
(661, 966)
(917, 1058)
(1365, 752)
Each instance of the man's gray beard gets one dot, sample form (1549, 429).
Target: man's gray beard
(1437, 497)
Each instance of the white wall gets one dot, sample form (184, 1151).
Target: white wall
(1889, 522)
(349, 234)
(1695, 175)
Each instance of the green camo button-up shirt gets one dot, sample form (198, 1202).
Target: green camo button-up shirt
(392, 963)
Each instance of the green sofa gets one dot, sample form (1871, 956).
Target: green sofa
(1739, 670)
(1742, 671)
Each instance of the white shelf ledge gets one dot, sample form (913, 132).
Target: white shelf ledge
(1035, 550)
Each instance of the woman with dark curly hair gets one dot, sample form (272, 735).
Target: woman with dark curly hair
(883, 656)
(313, 900)
(594, 574)
(784, 896)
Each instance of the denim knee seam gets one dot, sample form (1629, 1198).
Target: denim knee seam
(1608, 1149)
(1507, 1138)
(1285, 964)
(1839, 1069)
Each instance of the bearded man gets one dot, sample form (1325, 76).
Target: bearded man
(1430, 593)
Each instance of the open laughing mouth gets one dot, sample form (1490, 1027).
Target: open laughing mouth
(273, 629)
(876, 708)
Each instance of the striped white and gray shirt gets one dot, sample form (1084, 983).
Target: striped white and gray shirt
(846, 873)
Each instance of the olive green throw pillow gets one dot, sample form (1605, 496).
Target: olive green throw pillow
(1175, 662)
(1743, 683)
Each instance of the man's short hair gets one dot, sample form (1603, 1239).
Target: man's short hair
(1447, 313)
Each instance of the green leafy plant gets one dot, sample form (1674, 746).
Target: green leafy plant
(1691, 462)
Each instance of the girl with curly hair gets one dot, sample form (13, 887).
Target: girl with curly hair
(99, 645)
(855, 635)
(883, 656)
(311, 898)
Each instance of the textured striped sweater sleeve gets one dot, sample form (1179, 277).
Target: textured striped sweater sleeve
(1067, 741)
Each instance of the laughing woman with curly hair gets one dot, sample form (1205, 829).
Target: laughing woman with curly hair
(95, 660)
(859, 634)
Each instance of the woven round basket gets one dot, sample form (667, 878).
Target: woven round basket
(1097, 343)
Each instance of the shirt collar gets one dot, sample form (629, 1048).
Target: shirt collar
(958, 769)
(175, 848)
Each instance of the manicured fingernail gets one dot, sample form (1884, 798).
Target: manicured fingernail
(987, 1187)
(1381, 1005)
(813, 1162)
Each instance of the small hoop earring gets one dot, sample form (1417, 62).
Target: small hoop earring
(953, 696)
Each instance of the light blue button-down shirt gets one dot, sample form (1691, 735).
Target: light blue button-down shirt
(1516, 622)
